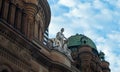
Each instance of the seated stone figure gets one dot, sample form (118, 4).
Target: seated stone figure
(59, 40)
(60, 43)
(60, 36)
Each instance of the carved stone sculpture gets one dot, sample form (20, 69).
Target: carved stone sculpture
(60, 36)
(60, 43)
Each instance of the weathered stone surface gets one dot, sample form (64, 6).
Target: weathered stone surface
(22, 27)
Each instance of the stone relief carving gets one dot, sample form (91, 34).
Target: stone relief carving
(60, 43)
(13, 48)
(25, 55)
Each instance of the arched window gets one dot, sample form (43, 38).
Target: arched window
(4, 70)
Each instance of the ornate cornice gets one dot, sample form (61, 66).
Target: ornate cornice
(16, 37)
(33, 8)
(46, 8)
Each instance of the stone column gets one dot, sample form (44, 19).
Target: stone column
(85, 56)
(31, 10)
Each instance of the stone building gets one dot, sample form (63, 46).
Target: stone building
(25, 46)
(85, 55)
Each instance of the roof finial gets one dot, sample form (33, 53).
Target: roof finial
(102, 55)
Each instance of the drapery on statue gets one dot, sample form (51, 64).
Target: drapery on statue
(60, 43)
(66, 50)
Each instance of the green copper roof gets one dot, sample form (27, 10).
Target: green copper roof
(79, 40)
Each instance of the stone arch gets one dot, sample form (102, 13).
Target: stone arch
(5, 68)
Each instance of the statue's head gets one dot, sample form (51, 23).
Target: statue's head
(62, 30)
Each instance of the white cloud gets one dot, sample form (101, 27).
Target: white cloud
(114, 36)
(98, 4)
(106, 46)
(56, 24)
(94, 19)
(118, 4)
(68, 3)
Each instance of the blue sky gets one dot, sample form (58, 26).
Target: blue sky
(97, 19)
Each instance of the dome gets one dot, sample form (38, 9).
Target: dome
(80, 40)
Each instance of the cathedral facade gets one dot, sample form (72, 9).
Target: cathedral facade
(25, 46)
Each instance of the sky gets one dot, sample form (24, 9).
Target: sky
(97, 19)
